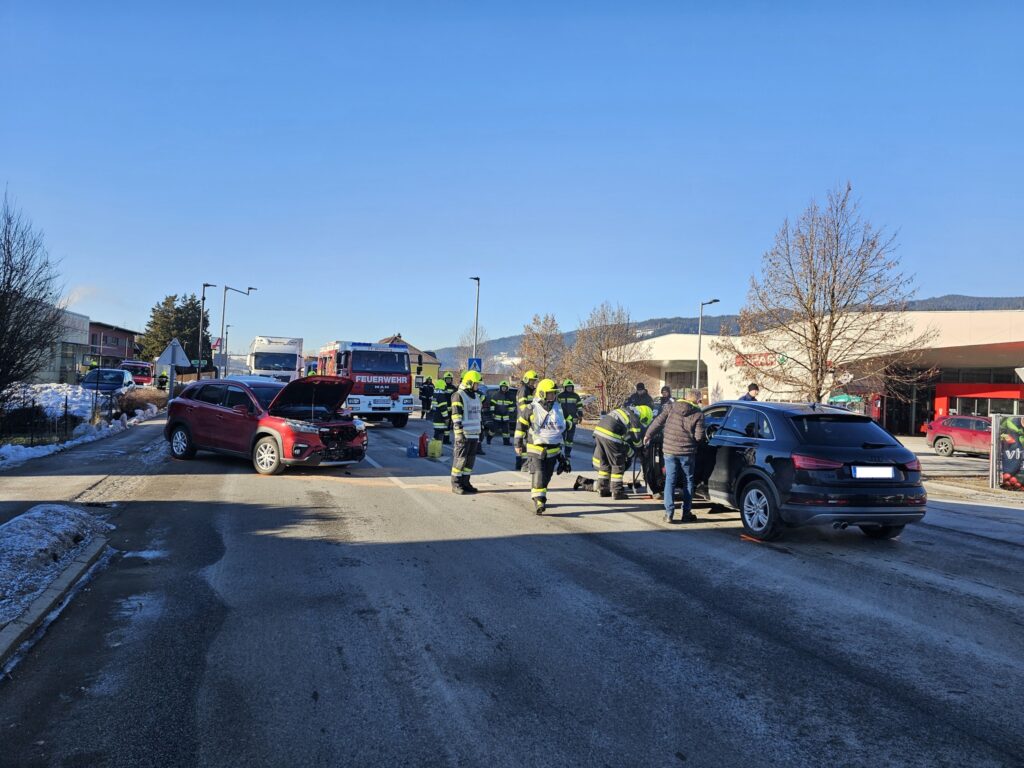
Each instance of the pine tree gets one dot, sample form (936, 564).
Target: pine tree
(175, 317)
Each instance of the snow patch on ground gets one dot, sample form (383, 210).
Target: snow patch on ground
(13, 455)
(35, 547)
(148, 554)
(51, 397)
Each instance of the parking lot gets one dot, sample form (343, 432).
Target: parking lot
(369, 617)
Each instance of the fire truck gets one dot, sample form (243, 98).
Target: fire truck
(383, 380)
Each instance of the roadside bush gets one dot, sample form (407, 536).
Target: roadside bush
(141, 398)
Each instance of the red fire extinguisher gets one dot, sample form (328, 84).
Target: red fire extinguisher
(423, 445)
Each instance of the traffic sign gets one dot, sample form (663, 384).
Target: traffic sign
(476, 364)
(198, 362)
(174, 354)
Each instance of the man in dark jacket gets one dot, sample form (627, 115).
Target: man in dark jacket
(683, 424)
(640, 397)
(664, 400)
(752, 392)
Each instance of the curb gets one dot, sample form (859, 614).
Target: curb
(20, 629)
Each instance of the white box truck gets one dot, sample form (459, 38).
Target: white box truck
(276, 357)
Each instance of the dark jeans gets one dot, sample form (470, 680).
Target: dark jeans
(679, 468)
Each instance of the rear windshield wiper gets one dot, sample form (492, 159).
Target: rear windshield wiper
(875, 445)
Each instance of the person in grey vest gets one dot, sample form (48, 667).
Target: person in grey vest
(540, 432)
(467, 424)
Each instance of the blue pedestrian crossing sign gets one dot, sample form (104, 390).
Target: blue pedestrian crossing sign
(476, 364)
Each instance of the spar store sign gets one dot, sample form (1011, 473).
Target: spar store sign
(761, 360)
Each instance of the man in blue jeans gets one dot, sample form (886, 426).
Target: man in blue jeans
(683, 424)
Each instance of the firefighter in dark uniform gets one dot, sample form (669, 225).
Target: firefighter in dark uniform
(540, 428)
(572, 409)
(617, 437)
(441, 413)
(524, 396)
(467, 422)
(503, 403)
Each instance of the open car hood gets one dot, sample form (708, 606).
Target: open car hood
(324, 391)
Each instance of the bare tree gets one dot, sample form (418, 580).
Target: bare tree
(31, 313)
(828, 308)
(607, 353)
(542, 348)
(464, 350)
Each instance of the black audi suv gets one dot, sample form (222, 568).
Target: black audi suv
(788, 464)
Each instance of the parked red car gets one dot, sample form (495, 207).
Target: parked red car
(141, 371)
(963, 434)
(275, 425)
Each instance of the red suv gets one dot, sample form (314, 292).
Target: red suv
(276, 425)
(966, 434)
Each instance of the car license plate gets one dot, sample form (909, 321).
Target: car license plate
(382, 401)
(873, 473)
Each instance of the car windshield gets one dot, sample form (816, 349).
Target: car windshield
(264, 395)
(275, 361)
(380, 362)
(841, 431)
(104, 377)
(139, 369)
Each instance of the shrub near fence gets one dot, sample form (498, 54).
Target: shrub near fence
(28, 424)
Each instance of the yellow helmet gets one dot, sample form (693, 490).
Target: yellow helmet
(448, 375)
(471, 377)
(545, 386)
(645, 413)
(530, 376)
(567, 383)
(503, 384)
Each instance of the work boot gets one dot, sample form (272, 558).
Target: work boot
(457, 487)
(539, 505)
(619, 494)
(519, 462)
(480, 450)
(602, 489)
(688, 517)
(466, 487)
(489, 438)
(447, 440)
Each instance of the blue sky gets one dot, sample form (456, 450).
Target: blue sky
(358, 162)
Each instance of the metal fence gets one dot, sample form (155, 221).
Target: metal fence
(25, 422)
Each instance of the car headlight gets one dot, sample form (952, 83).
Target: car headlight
(359, 424)
(302, 427)
(352, 401)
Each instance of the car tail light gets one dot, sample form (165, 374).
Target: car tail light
(913, 465)
(801, 461)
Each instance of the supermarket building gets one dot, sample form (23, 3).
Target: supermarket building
(974, 352)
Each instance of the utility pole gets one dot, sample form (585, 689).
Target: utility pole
(224, 341)
(202, 316)
(700, 334)
(476, 316)
(223, 314)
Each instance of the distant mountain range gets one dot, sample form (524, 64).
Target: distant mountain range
(660, 326)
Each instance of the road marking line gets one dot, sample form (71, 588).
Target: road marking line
(392, 478)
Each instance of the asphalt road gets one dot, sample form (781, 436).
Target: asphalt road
(325, 618)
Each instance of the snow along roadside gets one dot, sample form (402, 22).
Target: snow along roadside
(36, 547)
(14, 455)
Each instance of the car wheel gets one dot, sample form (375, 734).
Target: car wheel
(400, 421)
(182, 446)
(943, 446)
(266, 457)
(882, 531)
(759, 512)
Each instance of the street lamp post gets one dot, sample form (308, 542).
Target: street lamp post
(227, 361)
(223, 313)
(202, 316)
(476, 315)
(700, 334)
